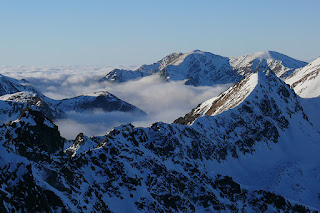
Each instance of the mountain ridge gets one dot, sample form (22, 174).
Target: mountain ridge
(199, 68)
(122, 172)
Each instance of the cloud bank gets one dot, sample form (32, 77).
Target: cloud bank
(162, 101)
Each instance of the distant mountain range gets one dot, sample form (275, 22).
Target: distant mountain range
(253, 148)
(200, 68)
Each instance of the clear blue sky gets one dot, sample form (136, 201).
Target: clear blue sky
(102, 32)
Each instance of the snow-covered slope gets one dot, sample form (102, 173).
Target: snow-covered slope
(306, 81)
(225, 101)
(279, 63)
(200, 68)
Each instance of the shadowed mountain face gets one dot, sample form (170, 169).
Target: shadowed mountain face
(10, 85)
(97, 100)
(200, 68)
(244, 151)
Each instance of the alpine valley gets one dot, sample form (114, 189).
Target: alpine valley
(253, 148)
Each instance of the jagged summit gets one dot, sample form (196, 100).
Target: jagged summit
(257, 84)
(200, 68)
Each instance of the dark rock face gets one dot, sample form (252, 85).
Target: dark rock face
(189, 118)
(25, 194)
(35, 131)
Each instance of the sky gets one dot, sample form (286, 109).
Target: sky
(102, 32)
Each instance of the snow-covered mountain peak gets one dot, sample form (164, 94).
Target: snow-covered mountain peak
(199, 68)
(102, 100)
(252, 87)
(273, 55)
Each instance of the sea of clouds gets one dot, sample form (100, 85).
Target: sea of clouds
(162, 101)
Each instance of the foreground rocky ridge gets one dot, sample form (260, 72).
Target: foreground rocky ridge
(171, 167)
(126, 172)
